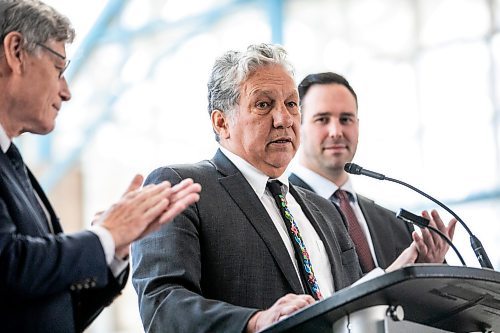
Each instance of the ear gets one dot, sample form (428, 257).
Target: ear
(220, 124)
(14, 55)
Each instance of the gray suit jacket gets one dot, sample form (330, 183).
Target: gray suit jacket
(390, 236)
(222, 259)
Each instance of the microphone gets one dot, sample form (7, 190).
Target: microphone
(476, 245)
(357, 170)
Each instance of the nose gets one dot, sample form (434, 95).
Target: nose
(64, 92)
(282, 117)
(335, 129)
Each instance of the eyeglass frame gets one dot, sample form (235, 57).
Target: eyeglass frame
(57, 54)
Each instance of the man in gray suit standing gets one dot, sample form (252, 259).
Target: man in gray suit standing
(254, 248)
(329, 133)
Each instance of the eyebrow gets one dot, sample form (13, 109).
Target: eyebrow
(258, 92)
(271, 93)
(322, 114)
(329, 114)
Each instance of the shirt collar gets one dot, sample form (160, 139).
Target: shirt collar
(256, 178)
(4, 139)
(321, 185)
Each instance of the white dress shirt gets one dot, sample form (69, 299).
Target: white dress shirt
(325, 188)
(116, 265)
(314, 245)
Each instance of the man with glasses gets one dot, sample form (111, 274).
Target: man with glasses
(58, 55)
(329, 133)
(51, 281)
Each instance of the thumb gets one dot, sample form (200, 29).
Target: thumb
(135, 184)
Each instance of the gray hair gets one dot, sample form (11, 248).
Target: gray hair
(233, 68)
(36, 21)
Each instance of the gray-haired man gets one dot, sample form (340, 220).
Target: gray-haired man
(51, 281)
(254, 248)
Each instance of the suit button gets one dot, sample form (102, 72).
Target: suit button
(72, 287)
(93, 284)
(79, 286)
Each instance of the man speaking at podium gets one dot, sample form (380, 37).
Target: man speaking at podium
(254, 248)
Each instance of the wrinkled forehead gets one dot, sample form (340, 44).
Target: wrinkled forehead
(270, 71)
(269, 78)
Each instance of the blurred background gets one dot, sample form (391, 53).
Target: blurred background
(426, 73)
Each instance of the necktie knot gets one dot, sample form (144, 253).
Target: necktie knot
(274, 187)
(341, 195)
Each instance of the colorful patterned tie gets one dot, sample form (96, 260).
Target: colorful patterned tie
(301, 253)
(355, 231)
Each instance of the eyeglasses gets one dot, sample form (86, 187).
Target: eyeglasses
(57, 54)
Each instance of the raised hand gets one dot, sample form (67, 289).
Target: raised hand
(430, 246)
(140, 211)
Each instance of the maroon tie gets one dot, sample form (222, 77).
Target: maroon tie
(355, 231)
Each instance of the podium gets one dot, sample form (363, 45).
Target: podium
(434, 298)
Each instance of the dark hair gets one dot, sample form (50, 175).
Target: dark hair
(324, 78)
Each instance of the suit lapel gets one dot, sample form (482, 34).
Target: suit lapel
(12, 181)
(375, 225)
(321, 226)
(243, 195)
(296, 180)
(54, 220)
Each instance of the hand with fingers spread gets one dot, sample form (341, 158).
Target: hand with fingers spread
(282, 308)
(182, 195)
(430, 246)
(140, 211)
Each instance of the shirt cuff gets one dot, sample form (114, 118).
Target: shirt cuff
(107, 242)
(118, 265)
(115, 264)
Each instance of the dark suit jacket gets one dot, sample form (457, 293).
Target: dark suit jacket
(390, 236)
(48, 283)
(222, 258)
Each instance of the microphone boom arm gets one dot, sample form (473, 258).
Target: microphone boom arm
(477, 247)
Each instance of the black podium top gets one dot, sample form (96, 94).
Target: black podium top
(458, 299)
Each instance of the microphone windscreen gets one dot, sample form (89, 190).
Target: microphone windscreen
(352, 168)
